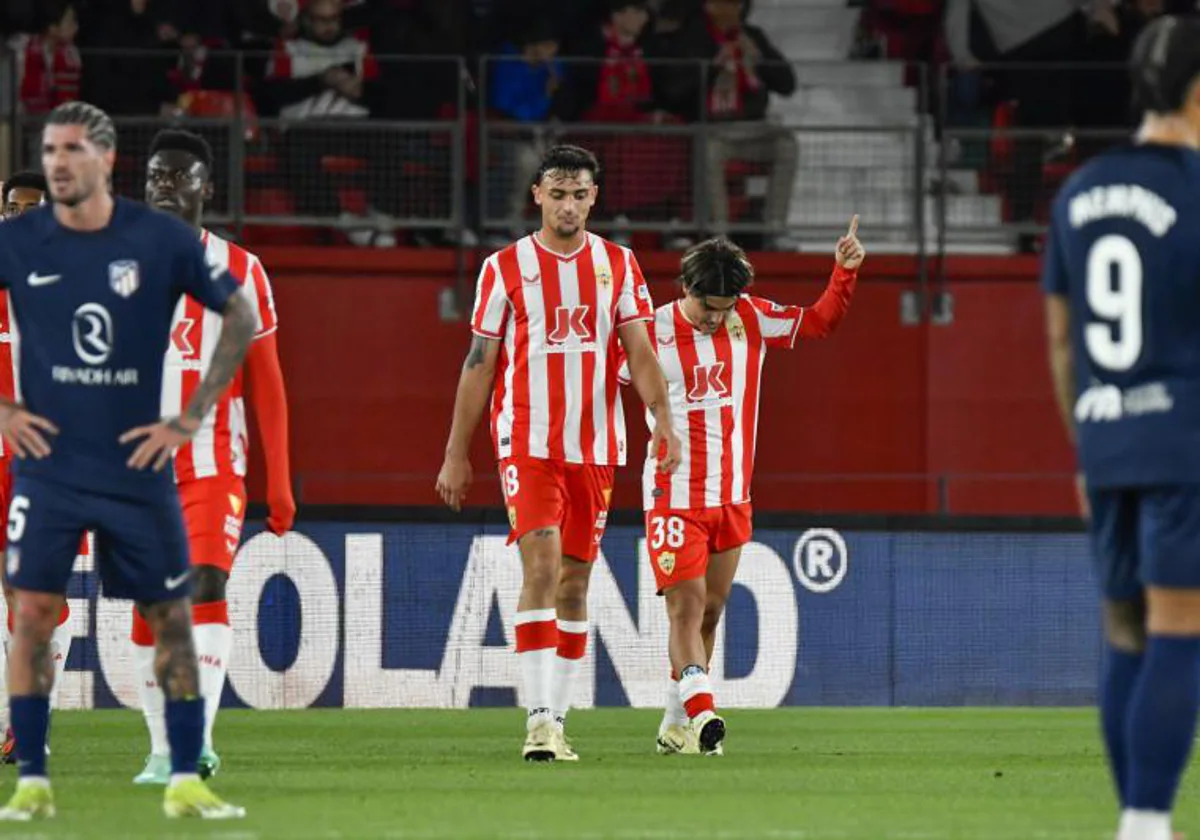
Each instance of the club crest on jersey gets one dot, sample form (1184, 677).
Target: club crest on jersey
(737, 330)
(666, 562)
(604, 276)
(123, 277)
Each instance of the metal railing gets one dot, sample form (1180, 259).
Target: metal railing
(885, 140)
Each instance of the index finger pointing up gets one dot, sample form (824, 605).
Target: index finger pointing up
(853, 226)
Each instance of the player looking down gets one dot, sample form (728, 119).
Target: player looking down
(712, 343)
(551, 312)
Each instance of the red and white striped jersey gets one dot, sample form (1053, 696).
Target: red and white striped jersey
(556, 394)
(220, 446)
(713, 385)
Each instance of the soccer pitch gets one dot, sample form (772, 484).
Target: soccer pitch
(803, 774)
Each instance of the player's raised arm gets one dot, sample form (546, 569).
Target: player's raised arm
(647, 377)
(824, 316)
(474, 389)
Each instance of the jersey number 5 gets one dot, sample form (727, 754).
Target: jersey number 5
(1114, 295)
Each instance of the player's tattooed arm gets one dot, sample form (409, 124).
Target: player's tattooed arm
(478, 353)
(474, 389)
(237, 329)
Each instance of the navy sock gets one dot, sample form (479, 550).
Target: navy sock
(1116, 690)
(1162, 722)
(30, 716)
(185, 733)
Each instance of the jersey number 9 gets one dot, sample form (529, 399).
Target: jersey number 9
(1114, 295)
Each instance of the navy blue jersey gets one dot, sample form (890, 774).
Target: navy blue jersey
(1124, 248)
(94, 311)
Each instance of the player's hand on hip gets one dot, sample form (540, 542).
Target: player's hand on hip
(850, 252)
(25, 432)
(281, 514)
(158, 442)
(453, 482)
(666, 444)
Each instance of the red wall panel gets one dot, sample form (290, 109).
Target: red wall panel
(881, 417)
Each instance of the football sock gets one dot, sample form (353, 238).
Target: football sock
(185, 733)
(537, 644)
(214, 642)
(673, 712)
(1121, 670)
(30, 715)
(695, 691)
(149, 692)
(572, 644)
(1161, 727)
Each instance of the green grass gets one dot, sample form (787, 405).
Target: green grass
(803, 774)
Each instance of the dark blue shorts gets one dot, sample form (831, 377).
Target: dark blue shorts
(1146, 536)
(141, 546)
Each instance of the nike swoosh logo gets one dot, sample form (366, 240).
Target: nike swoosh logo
(36, 279)
(176, 582)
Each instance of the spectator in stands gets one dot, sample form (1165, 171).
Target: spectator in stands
(611, 82)
(119, 80)
(745, 70)
(1022, 32)
(525, 86)
(327, 74)
(48, 63)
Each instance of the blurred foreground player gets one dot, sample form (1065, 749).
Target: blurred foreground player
(711, 344)
(549, 312)
(210, 469)
(20, 193)
(93, 281)
(1122, 278)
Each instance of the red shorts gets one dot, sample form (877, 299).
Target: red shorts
(214, 511)
(680, 541)
(574, 498)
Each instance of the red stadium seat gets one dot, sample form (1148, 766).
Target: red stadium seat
(271, 201)
(221, 104)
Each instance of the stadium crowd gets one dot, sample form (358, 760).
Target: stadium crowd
(553, 64)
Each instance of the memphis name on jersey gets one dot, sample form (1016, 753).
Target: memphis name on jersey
(220, 445)
(1124, 249)
(556, 394)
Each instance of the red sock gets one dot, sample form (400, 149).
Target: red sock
(141, 634)
(214, 612)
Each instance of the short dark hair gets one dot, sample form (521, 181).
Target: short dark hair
(615, 6)
(570, 160)
(1165, 63)
(27, 180)
(100, 129)
(179, 140)
(716, 267)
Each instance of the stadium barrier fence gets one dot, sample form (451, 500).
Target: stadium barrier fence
(923, 155)
(418, 612)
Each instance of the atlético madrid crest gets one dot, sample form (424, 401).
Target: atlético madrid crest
(123, 277)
